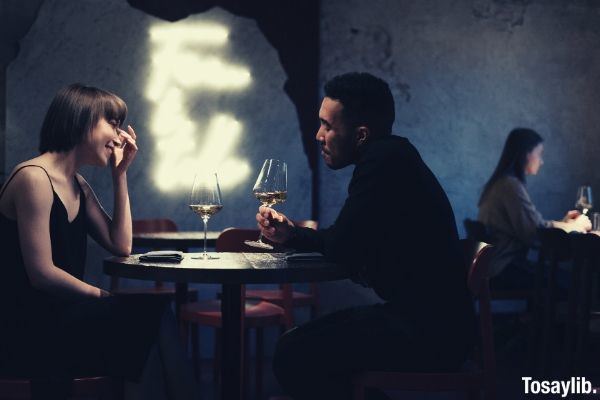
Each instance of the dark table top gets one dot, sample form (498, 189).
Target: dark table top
(178, 240)
(230, 268)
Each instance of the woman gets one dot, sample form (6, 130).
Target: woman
(506, 209)
(55, 326)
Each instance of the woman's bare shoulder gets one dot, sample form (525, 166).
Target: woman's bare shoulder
(29, 176)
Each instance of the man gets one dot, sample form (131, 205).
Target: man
(395, 233)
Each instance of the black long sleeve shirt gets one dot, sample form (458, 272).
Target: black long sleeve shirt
(396, 232)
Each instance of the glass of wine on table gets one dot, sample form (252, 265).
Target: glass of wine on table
(270, 189)
(205, 201)
(584, 199)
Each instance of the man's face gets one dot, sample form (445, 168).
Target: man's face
(338, 144)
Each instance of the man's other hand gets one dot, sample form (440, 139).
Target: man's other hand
(274, 226)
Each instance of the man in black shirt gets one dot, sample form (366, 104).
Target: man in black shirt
(395, 233)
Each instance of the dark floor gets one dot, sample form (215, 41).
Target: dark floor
(513, 362)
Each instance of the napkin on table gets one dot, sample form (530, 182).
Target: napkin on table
(162, 256)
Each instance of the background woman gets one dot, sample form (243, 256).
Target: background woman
(54, 325)
(506, 209)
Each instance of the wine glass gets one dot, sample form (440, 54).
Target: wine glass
(270, 188)
(205, 200)
(584, 199)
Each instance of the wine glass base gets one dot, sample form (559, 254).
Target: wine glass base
(258, 245)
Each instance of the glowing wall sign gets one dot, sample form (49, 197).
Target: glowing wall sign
(185, 61)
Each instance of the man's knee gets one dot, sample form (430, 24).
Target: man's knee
(287, 355)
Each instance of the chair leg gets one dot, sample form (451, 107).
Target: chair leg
(259, 362)
(314, 311)
(358, 391)
(217, 359)
(196, 359)
(246, 363)
(473, 394)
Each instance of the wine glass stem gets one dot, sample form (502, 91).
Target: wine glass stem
(260, 237)
(205, 220)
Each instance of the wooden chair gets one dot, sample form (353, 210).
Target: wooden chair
(285, 291)
(100, 387)
(259, 314)
(472, 383)
(149, 226)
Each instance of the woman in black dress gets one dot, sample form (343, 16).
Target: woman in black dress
(53, 325)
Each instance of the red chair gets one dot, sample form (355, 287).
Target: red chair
(259, 314)
(150, 226)
(472, 383)
(285, 291)
(100, 387)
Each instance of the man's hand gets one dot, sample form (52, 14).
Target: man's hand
(274, 226)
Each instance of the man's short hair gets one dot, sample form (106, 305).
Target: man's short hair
(74, 112)
(367, 101)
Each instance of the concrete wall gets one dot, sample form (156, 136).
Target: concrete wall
(466, 72)
(463, 73)
(107, 44)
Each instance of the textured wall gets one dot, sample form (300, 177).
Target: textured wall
(105, 43)
(463, 74)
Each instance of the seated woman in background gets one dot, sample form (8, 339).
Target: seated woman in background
(53, 325)
(506, 209)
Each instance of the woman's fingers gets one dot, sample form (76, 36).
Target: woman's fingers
(131, 131)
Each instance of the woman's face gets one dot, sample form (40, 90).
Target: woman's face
(101, 143)
(534, 160)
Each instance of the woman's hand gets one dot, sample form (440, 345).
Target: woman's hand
(274, 226)
(580, 224)
(123, 157)
(571, 214)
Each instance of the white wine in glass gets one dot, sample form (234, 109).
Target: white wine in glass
(584, 199)
(205, 201)
(270, 189)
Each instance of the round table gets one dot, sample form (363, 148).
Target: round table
(231, 270)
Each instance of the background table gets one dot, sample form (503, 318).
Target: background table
(232, 270)
(175, 240)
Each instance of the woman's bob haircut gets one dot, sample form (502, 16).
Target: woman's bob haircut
(74, 112)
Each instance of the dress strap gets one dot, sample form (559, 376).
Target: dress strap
(15, 173)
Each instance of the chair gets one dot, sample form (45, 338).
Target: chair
(149, 226)
(259, 314)
(100, 387)
(285, 291)
(478, 232)
(472, 383)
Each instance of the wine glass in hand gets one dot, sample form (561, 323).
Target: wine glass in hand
(584, 199)
(270, 189)
(205, 201)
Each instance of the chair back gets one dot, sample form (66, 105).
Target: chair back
(154, 225)
(478, 283)
(477, 231)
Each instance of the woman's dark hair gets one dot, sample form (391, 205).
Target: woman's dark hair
(520, 142)
(74, 112)
(367, 101)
